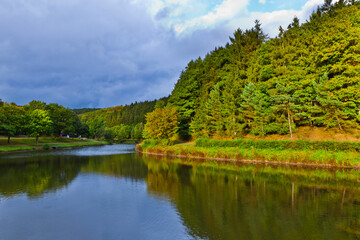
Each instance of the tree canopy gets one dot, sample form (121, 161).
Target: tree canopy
(306, 76)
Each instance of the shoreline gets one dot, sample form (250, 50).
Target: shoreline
(257, 162)
(52, 149)
(315, 154)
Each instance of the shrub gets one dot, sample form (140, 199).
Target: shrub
(46, 147)
(157, 142)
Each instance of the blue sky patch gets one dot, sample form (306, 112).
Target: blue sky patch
(275, 5)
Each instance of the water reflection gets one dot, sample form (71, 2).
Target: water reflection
(36, 173)
(39, 176)
(214, 201)
(259, 202)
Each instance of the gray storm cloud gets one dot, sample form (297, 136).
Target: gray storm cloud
(84, 53)
(92, 53)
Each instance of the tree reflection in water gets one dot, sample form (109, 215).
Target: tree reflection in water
(214, 200)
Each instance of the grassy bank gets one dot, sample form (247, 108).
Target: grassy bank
(282, 145)
(45, 143)
(330, 153)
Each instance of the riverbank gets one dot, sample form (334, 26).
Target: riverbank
(45, 143)
(324, 154)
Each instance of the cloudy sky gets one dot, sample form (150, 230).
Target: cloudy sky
(101, 53)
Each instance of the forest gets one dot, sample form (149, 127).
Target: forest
(121, 122)
(308, 75)
(40, 119)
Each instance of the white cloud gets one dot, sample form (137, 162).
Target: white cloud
(272, 20)
(227, 10)
(182, 18)
(185, 16)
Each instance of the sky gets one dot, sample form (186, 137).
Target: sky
(104, 53)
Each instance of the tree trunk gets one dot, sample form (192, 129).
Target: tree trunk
(37, 140)
(338, 121)
(282, 46)
(8, 139)
(289, 119)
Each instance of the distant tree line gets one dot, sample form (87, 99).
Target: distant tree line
(79, 111)
(121, 122)
(308, 75)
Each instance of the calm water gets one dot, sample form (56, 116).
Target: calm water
(110, 192)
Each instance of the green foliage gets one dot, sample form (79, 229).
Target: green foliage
(157, 142)
(136, 132)
(122, 131)
(12, 120)
(306, 76)
(162, 123)
(124, 122)
(46, 147)
(128, 115)
(84, 110)
(281, 145)
(35, 104)
(64, 120)
(39, 123)
(109, 135)
(259, 155)
(97, 127)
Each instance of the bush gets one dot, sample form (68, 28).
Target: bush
(46, 147)
(158, 142)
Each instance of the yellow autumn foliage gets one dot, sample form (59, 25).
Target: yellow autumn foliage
(162, 123)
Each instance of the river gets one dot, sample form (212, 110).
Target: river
(111, 192)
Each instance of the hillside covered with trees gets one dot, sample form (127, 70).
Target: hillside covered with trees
(121, 122)
(308, 75)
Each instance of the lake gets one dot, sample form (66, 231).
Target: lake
(111, 192)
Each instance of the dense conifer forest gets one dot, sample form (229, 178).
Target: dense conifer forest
(308, 75)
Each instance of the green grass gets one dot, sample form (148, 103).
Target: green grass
(27, 143)
(76, 144)
(307, 156)
(338, 146)
(31, 141)
(12, 148)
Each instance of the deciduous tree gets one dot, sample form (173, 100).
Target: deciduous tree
(162, 123)
(39, 124)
